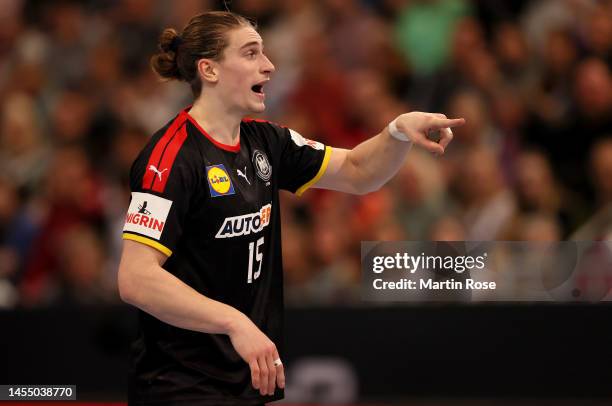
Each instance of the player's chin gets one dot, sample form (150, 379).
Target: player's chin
(258, 107)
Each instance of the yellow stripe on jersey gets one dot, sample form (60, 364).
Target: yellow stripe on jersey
(147, 241)
(322, 170)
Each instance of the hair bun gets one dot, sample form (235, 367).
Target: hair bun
(165, 62)
(175, 43)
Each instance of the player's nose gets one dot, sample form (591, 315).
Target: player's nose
(268, 66)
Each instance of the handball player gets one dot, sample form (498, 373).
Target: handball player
(202, 247)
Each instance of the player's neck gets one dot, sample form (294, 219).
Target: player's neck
(222, 125)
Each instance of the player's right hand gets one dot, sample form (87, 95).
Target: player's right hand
(259, 352)
(416, 126)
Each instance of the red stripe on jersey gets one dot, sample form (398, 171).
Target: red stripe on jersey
(168, 158)
(158, 152)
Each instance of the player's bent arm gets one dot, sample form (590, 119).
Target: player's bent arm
(145, 284)
(372, 163)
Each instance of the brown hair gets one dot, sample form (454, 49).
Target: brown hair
(203, 37)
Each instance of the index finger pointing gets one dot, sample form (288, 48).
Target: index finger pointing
(448, 122)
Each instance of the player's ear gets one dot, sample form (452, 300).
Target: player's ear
(208, 70)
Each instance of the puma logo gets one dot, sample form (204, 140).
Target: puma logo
(154, 169)
(243, 174)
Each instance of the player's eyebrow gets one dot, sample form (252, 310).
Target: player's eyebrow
(248, 44)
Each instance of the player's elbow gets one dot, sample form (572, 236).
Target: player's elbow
(366, 188)
(128, 288)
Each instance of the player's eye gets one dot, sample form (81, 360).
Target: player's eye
(251, 53)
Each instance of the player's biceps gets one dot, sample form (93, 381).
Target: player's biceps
(137, 260)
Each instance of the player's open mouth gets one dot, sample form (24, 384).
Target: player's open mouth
(258, 88)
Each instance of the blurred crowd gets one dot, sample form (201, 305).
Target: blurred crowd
(533, 162)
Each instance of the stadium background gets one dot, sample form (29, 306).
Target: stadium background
(533, 163)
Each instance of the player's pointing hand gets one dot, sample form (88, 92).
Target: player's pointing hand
(415, 127)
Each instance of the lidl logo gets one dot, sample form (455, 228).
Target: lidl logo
(219, 181)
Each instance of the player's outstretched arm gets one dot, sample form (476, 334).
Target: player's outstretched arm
(145, 284)
(372, 163)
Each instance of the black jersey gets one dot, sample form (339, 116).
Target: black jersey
(214, 210)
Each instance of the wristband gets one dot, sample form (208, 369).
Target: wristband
(397, 134)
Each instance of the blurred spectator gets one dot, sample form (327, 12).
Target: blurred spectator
(335, 272)
(321, 92)
(10, 24)
(598, 32)
(355, 34)
(420, 190)
(424, 30)
(512, 120)
(538, 192)
(467, 37)
(550, 98)
(105, 67)
(367, 118)
(592, 121)
(69, 41)
(599, 226)
(137, 25)
(116, 194)
(82, 275)
(543, 16)
(128, 143)
(487, 203)
(283, 45)
(72, 198)
(17, 230)
(510, 47)
(478, 129)
(593, 95)
(297, 268)
(23, 152)
(601, 169)
(147, 103)
(71, 117)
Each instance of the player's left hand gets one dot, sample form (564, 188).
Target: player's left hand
(417, 125)
(257, 350)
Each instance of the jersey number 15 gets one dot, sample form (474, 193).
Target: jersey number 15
(254, 251)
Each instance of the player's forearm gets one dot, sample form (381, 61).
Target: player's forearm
(164, 296)
(376, 160)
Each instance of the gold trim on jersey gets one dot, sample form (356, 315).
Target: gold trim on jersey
(322, 170)
(147, 241)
